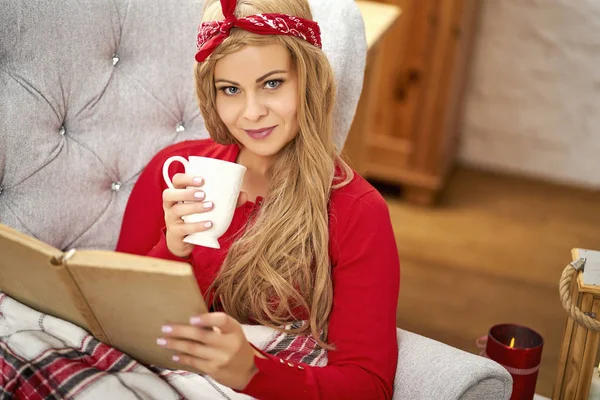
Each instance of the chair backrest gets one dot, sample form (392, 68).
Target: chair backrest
(91, 90)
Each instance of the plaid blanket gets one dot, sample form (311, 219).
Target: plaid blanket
(42, 357)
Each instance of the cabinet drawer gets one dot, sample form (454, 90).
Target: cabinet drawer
(389, 153)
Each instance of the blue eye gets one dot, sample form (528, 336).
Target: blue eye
(229, 90)
(273, 84)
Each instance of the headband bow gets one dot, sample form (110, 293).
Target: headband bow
(212, 34)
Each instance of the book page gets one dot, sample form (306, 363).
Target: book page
(133, 296)
(28, 275)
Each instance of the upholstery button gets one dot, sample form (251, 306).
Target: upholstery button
(290, 365)
(115, 58)
(281, 361)
(62, 130)
(115, 186)
(300, 367)
(180, 127)
(1, 189)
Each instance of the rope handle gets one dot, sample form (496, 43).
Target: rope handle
(564, 288)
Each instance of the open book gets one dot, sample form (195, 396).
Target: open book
(121, 299)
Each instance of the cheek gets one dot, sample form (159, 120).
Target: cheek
(226, 111)
(288, 110)
(293, 118)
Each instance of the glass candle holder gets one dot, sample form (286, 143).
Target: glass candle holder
(519, 350)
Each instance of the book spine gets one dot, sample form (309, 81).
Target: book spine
(79, 299)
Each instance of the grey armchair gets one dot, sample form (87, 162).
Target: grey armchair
(90, 90)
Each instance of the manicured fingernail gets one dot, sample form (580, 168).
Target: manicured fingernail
(175, 358)
(161, 342)
(207, 224)
(199, 195)
(198, 180)
(208, 205)
(195, 321)
(167, 329)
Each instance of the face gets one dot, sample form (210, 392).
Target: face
(257, 97)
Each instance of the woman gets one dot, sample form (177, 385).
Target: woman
(311, 241)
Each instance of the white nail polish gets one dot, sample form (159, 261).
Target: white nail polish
(161, 342)
(207, 224)
(199, 195)
(208, 204)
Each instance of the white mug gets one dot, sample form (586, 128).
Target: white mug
(222, 184)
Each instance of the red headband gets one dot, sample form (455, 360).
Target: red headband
(212, 34)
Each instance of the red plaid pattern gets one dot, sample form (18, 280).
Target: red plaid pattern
(38, 360)
(296, 348)
(59, 373)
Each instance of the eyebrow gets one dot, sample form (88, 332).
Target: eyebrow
(262, 78)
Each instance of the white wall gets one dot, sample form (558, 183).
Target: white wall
(533, 97)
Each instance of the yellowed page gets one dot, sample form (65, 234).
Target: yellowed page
(31, 274)
(133, 296)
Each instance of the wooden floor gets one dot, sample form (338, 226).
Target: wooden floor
(492, 251)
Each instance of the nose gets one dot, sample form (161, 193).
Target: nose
(255, 108)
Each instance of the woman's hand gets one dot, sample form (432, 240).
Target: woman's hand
(175, 208)
(215, 345)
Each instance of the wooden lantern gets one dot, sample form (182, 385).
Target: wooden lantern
(581, 338)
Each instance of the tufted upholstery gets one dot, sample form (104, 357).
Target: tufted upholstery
(91, 90)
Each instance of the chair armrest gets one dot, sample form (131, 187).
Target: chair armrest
(428, 369)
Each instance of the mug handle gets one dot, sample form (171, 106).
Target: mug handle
(166, 166)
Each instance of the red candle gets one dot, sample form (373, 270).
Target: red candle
(522, 360)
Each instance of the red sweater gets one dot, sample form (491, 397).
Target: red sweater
(365, 274)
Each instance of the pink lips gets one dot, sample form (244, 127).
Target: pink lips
(260, 133)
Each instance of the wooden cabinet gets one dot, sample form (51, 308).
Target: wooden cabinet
(405, 131)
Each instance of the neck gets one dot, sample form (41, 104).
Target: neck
(254, 163)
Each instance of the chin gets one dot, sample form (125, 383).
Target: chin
(268, 147)
(265, 149)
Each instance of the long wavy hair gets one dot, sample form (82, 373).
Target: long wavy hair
(280, 264)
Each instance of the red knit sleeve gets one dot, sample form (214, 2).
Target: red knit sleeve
(160, 250)
(363, 319)
(144, 216)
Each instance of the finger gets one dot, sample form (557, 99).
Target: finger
(179, 195)
(181, 209)
(218, 320)
(198, 364)
(181, 181)
(242, 199)
(190, 347)
(185, 229)
(194, 333)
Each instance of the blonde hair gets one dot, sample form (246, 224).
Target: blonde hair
(283, 255)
